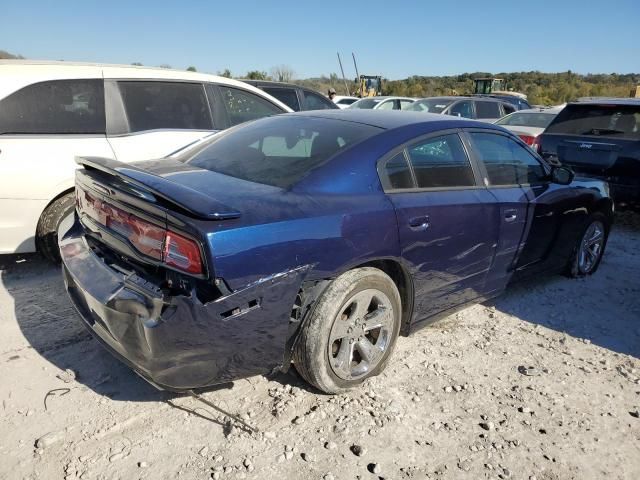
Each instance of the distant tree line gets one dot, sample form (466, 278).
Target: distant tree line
(540, 88)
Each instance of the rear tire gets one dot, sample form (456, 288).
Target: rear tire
(589, 249)
(358, 314)
(47, 229)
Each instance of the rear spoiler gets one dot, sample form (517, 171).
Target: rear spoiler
(195, 203)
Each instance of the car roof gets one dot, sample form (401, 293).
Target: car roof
(390, 119)
(464, 97)
(606, 101)
(549, 110)
(386, 97)
(19, 73)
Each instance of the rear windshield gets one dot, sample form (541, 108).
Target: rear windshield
(617, 121)
(432, 105)
(539, 120)
(279, 151)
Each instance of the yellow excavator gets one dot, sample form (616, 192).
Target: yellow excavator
(368, 86)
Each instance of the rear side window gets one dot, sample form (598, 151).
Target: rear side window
(171, 105)
(506, 161)
(396, 173)
(313, 101)
(278, 151)
(243, 106)
(488, 110)
(616, 121)
(288, 96)
(55, 107)
(441, 162)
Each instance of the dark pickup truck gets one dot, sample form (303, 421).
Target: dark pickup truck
(599, 138)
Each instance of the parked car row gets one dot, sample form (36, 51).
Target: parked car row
(51, 112)
(312, 238)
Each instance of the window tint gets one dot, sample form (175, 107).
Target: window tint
(441, 162)
(174, 105)
(313, 101)
(279, 150)
(506, 161)
(616, 121)
(462, 109)
(60, 106)
(508, 108)
(396, 173)
(243, 106)
(524, 119)
(288, 96)
(487, 110)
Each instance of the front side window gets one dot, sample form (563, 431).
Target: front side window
(404, 104)
(243, 106)
(441, 162)
(508, 108)
(279, 150)
(462, 109)
(55, 107)
(386, 105)
(170, 105)
(487, 109)
(506, 161)
(288, 96)
(313, 101)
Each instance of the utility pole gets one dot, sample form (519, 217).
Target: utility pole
(346, 85)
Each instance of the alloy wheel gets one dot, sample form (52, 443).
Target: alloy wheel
(361, 334)
(591, 247)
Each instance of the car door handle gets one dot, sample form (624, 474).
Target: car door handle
(419, 223)
(510, 215)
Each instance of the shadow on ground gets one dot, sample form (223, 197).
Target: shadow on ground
(603, 308)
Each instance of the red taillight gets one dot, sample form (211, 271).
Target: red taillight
(528, 139)
(151, 240)
(182, 253)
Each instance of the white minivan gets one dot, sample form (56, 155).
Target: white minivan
(51, 112)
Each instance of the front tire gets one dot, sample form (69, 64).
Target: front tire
(47, 229)
(587, 254)
(352, 331)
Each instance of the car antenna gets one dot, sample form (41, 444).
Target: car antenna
(226, 414)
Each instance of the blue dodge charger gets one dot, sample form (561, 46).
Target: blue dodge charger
(315, 239)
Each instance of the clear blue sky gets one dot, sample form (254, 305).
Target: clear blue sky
(393, 38)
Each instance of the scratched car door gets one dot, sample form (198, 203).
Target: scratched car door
(447, 233)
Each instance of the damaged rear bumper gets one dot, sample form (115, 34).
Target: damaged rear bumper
(177, 342)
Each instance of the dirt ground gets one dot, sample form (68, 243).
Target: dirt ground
(542, 383)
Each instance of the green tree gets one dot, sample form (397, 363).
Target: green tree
(256, 75)
(225, 73)
(191, 69)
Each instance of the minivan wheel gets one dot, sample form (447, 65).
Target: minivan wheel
(352, 331)
(47, 229)
(589, 248)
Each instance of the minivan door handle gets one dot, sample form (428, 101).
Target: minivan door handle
(419, 223)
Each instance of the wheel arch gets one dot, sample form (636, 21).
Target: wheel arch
(57, 197)
(311, 291)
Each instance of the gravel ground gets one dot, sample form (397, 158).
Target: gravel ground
(542, 383)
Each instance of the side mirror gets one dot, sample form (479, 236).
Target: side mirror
(562, 175)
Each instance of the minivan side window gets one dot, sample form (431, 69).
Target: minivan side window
(55, 107)
(171, 105)
(441, 162)
(243, 106)
(506, 161)
(487, 109)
